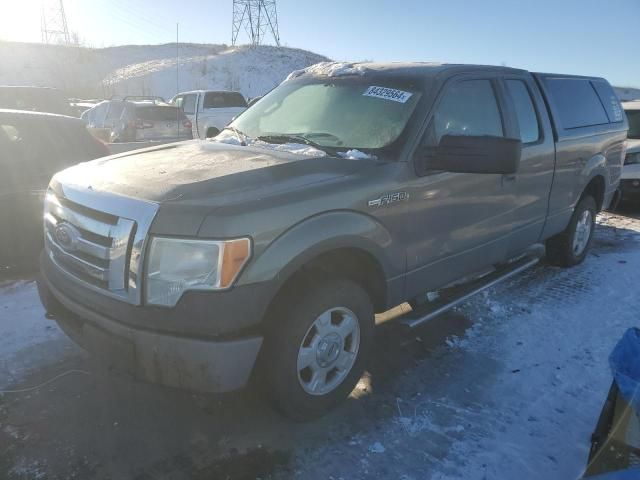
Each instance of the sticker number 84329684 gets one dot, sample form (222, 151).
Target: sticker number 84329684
(387, 94)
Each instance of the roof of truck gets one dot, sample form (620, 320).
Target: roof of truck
(412, 69)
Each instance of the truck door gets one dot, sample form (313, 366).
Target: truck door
(529, 188)
(459, 222)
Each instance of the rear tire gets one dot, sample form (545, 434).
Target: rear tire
(317, 347)
(212, 132)
(570, 247)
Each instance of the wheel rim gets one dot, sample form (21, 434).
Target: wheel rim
(583, 232)
(328, 351)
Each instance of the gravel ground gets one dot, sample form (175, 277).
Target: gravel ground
(509, 385)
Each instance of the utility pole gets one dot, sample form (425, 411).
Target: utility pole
(257, 17)
(53, 26)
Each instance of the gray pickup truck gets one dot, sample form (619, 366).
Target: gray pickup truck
(349, 189)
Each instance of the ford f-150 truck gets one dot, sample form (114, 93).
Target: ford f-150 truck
(349, 189)
(209, 110)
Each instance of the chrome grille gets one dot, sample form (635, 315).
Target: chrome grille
(99, 242)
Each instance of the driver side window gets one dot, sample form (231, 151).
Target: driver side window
(469, 107)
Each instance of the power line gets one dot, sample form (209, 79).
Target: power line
(54, 27)
(257, 17)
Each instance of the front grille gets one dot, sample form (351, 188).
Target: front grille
(88, 244)
(101, 249)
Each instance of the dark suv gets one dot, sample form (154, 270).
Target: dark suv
(34, 146)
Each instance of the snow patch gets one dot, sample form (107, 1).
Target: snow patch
(356, 155)
(231, 137)
(297, 148)
(329, 69)
(377, 447)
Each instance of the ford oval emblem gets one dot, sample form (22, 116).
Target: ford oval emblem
(67, 236)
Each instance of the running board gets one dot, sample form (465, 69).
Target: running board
(455, 295)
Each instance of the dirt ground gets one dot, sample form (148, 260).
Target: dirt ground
(507, 386)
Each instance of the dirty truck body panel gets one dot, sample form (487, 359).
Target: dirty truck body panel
(422, 228)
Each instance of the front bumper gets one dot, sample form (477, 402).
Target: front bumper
(190, 362)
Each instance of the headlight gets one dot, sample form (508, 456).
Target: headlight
(177, 265)
(632, 158)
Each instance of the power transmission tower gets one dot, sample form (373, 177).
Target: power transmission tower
(258, 17)
(54, 27)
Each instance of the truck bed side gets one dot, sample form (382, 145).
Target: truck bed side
(589, 131)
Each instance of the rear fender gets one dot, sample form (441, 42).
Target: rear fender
(596, 165)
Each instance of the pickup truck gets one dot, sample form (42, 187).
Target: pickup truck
(263, 254)
(210, 110)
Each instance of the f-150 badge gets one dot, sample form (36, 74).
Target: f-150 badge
(388, 199)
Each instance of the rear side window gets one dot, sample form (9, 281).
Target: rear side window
(115, 112)
(610, 100)
(467, 108)
(577, 102)
(224, 100)
(160, 113)
(525, 111)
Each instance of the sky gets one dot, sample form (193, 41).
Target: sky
(588, 37)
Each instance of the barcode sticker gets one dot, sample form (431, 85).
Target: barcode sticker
(388, 94)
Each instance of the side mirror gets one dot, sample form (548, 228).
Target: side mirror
(473, 154)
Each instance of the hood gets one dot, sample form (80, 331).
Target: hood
(204, 172)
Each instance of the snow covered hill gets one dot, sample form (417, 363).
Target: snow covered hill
(150, 69)
(625, 93)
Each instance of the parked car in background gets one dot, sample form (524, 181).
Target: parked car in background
(265, 252)
(209, 110)
(35, 99)
(34, 146)
(138, 119)
(79, 106)
(630, 183)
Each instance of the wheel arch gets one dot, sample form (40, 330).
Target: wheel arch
(342, 243)
(596, 187)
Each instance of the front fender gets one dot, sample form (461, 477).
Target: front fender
(320, 234)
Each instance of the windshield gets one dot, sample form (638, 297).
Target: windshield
(634, 124)
(339, 114)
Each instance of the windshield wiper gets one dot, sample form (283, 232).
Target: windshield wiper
(279, 138)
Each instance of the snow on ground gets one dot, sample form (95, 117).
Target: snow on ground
(509, 386)
(517, 396)
(27, 339)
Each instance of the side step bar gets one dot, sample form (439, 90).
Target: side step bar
(453, 296)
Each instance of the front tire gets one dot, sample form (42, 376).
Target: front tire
(570, 247)
(317, 347)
